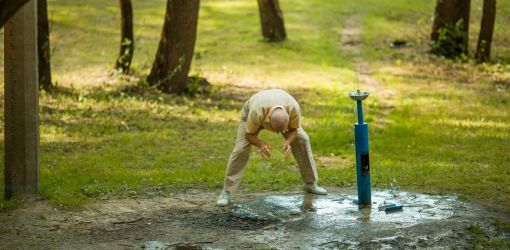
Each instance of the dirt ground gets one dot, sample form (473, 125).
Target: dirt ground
(189, 219)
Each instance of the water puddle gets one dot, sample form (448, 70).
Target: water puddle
(335, 221)
(341, 209)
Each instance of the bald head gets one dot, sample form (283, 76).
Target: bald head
(279, 119)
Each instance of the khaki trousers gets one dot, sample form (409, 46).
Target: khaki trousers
(301, 150)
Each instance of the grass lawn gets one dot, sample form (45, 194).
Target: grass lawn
(436, 126)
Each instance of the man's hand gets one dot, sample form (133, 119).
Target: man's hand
(290, 137)
(286, 149)
(265, 150)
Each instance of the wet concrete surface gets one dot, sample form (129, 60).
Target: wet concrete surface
(341, 209)
(335, 221)
(190, 220)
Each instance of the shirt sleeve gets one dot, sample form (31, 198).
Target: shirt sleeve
(252, 124)
(294, 119)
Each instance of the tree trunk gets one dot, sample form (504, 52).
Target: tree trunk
(173, 60)
(451, 28)
(127, 44)
(43, 45)
(271, 19)
(9, 8)
(483, 48)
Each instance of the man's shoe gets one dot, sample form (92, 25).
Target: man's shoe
(315, 189)
(224, 199)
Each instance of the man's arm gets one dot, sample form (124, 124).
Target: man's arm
(265, 149)
(291, 136)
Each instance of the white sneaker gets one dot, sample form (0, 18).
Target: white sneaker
(315, 189)
(224, 199)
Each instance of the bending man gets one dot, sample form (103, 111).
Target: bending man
(276, 111)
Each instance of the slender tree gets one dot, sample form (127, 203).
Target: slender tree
(271, 20)
(127, 44)
(43, 45)
(9, 8)
(173, 60)
(483, 47)
(451, 27)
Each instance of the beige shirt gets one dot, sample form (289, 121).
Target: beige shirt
(261, 105)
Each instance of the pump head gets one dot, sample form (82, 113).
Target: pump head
(358, 95)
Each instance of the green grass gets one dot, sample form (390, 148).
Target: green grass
(436, 126)
(478, 238)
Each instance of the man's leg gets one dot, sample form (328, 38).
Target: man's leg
(302, 151)
(237, 161)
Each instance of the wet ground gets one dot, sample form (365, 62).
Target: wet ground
(189, 220)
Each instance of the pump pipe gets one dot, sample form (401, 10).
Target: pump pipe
(362, 154)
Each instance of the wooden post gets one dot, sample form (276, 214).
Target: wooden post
(21, 103)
